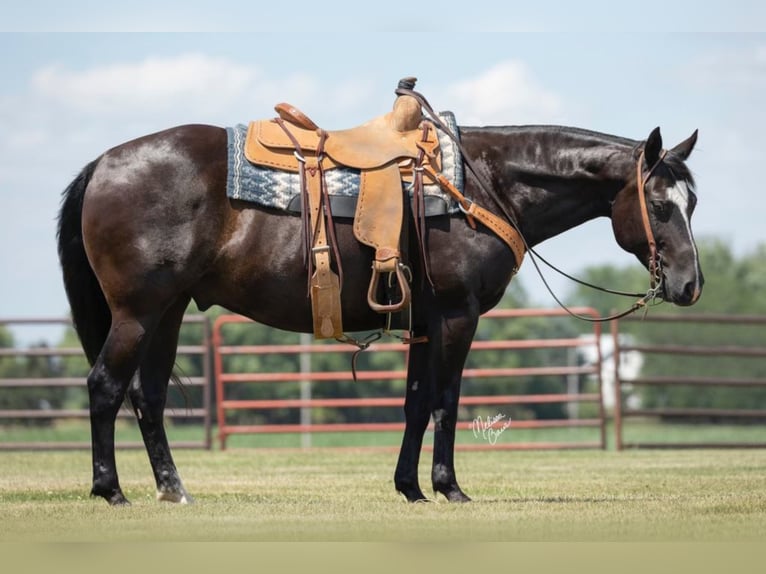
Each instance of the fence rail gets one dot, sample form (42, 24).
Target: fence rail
(703, 382)
(226, 379)
(200, 412)
(214, 348)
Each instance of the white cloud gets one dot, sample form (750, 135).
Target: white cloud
(505, 93)
(195, 87)
(189, 87)
(192, 80)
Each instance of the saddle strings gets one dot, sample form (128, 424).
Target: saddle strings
(325, 208)
(643, 300)
(419, 215)
(306, 232)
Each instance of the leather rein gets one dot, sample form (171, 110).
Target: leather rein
(508, 233)
(655, 259)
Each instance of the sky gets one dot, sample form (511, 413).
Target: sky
(80, 77)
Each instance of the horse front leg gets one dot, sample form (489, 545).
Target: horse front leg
(457, 334)
(443, 470)
(417, 412)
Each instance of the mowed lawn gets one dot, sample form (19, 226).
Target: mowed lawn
(321, 494)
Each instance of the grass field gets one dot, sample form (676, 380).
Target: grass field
(324, 495)
(634, 430)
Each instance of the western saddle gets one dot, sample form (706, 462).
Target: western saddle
(400, 146)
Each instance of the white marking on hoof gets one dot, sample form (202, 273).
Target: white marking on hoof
(181, 497)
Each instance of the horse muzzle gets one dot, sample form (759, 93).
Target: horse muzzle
(683, 293)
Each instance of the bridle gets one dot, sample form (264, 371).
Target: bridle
(656, 277)
(655, 259)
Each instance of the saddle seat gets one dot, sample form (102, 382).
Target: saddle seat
(371, 145)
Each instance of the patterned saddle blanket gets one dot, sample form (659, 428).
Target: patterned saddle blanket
(279, 189)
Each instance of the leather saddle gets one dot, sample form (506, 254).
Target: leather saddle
(387, 150)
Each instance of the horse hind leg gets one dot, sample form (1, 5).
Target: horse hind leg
(107, 385)
(148, 395)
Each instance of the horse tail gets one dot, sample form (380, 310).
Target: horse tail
(90, 313)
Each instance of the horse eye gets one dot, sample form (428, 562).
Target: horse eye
(662, 210)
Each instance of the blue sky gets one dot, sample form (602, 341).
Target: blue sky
(67, 97)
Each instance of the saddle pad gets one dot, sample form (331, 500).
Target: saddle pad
(279, 189)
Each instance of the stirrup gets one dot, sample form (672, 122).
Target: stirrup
(404, 286)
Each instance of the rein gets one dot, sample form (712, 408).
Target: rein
(655, 263)
(655, 260)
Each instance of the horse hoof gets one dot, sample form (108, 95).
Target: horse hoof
(456, 495)
(118, 499)
(112, 497)
(181, 497)
(414, 495)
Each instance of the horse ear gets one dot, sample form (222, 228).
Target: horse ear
(684, 149)
(653, 147)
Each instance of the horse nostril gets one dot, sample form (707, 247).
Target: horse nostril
(691, 291)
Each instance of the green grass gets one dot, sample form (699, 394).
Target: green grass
(320, 494)
(634, 430)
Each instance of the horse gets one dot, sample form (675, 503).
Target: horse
(147, 227)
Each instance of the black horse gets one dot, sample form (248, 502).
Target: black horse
(147, 227)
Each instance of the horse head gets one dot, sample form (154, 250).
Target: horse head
(651, 218)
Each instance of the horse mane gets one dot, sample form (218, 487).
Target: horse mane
(557, 129)
(672, 161)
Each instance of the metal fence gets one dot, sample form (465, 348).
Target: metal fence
(719, 349)
(215, 351)
(227, 380)
(53, 379)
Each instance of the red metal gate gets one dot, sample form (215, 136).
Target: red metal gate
(227, 379)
